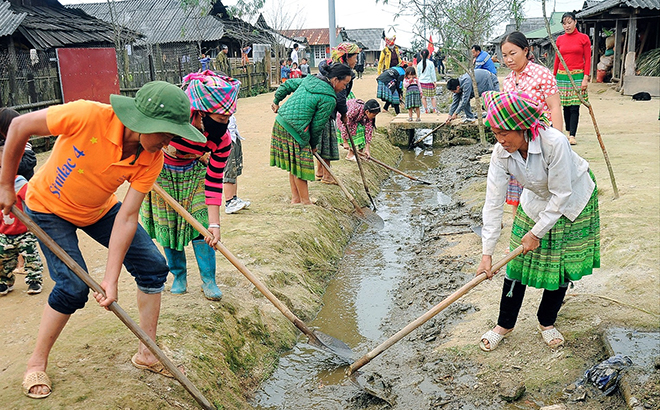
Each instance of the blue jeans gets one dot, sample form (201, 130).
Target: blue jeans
(143, 260)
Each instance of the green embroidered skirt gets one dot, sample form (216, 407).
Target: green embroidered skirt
(568, 252)
(186, 185)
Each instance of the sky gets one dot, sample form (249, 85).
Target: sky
(353, 14)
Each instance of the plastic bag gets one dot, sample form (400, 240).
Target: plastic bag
(605, 375)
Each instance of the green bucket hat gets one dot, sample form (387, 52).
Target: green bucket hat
(157, 107)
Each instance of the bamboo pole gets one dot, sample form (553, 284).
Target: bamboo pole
(583, 101)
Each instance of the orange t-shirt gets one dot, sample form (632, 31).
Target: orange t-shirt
(79, 179)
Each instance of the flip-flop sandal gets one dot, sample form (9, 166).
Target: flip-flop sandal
(493, 338)
(552, 334)
(157, 367)
(37, 378)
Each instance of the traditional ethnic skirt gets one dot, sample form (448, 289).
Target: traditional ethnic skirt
(186, 185)
(567, 93)
(568, 252)
(413, 97)
(287, 154)
(385, 94)
(359, 138)
(428, 89)
(513, 191)
(328, 147)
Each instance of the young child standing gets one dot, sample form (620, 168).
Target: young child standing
(295, 71)
(284, 71)
(304, 67)
(233, 170)
(413, 95)
(16, 240)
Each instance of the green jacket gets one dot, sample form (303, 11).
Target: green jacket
(305, 114)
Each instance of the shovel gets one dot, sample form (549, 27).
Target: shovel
(114, 307)
(365, 212)
(434, 311)
(398, 171)
(315, 337)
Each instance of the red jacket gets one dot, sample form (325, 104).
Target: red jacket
(16, 227)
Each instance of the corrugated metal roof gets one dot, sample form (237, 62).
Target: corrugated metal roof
(369, 37)
(57, 26)
(160, 21)
(314, 36)
(9, 20)
(609, 4)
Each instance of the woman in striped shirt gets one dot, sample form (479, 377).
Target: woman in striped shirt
(192, 174)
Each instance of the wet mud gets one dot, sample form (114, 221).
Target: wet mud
(387, 279)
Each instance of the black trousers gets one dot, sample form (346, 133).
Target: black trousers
(571, 118)
(513, 293)
(396, 107)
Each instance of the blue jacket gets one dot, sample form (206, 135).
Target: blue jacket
(484, 61)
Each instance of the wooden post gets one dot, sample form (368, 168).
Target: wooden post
(13, 63)
(632, 34)
(617, 48)
(594, 53)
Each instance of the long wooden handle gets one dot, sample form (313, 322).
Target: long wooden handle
(398, 171)
(434, 311)
(114, 307)
(238, 264)
(341, 185)
(417, 141)
(359, 163)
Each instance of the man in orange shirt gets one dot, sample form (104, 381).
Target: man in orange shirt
(99, 146)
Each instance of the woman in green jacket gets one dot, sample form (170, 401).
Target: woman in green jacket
(300, 122)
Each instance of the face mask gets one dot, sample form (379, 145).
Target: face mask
(214, 128)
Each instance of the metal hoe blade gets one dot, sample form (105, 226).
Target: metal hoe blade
(336, 346)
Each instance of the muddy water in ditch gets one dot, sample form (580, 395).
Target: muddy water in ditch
(359, 300)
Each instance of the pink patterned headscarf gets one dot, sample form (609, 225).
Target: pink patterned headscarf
(514, 111)
(213, 93)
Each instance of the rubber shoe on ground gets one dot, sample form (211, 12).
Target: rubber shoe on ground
(469, 121)
(234, 206)
(4, 289)
(247, 203)
(34, 288)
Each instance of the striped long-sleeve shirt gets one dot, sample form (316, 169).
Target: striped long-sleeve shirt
(188, 151)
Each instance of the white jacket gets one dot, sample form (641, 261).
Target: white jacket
(556, 182)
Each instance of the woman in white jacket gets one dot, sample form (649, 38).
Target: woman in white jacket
(558, 222)
(427, 79)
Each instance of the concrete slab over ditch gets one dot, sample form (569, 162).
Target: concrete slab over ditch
(401, 131)
(644, 350)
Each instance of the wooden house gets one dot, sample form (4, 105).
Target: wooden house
(635, 25)
(316, 41)
(368, 39)
(30, 32)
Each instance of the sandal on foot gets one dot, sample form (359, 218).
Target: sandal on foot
(552, 334)
(493, 338)
(572, 140)
(157, 367)
(37, 378)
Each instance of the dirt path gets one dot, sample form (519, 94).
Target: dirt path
(229, 347)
